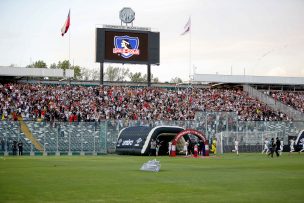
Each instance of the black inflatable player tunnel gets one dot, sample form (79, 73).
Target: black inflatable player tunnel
(136, 140)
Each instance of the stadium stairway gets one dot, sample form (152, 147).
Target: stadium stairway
(29, 135)
(275, 105)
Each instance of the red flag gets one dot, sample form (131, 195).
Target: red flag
(66, 25)
(187, 27)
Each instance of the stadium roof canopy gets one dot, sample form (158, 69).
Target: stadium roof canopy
(248, 79)
(34, 72)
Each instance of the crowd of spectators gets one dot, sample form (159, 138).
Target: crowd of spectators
(290, 98)
(94, 103)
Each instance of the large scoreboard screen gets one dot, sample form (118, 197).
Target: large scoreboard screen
(127, 46)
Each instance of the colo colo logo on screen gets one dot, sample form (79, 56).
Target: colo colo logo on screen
(126, 46)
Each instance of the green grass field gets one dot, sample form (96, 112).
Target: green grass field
(113, 178)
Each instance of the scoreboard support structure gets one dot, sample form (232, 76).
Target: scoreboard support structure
(149, 75)
(101, 73)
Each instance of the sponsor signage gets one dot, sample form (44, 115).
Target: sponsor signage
(189, 132)
(127, 15)
(130, 142)
(127, 143)
(138, 141)
(127, 27)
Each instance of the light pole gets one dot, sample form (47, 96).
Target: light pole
(31, 152)
(57, 146)
(44, 145)
(5, 146)
(44, 149)
(94, 152)
(81, 139)
(206, 126)
(70, 153)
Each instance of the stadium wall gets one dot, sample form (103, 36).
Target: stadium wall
(248, 79)
(35, 72)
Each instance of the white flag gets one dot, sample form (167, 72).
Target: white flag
(187, 27)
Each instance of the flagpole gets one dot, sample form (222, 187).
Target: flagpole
(64, 30)
(187, 29)
(69, 46)
(190, 54)
(69, 40)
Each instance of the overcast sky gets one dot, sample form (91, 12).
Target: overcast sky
(258, 37)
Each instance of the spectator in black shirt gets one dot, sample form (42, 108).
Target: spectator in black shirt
(20, 148)
(271, 147)
(152, 147)
(278, 144)
(2, 145)
(14, 147)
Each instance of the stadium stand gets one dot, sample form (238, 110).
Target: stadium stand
(79, 103)
(291, 98)
(87, 119)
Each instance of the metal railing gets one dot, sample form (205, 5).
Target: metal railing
(101, 137)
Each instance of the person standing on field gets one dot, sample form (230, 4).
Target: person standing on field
(277, 147)
(292, 142)
(271, 147)
(2, 145)
(152, 147)
(281, 147)
(236, 146)
(203, 149)
(213, 146)
(20, 148)
(186, 147)
(158, 145)
(14, 147)
(266, 149)
(169, 148)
